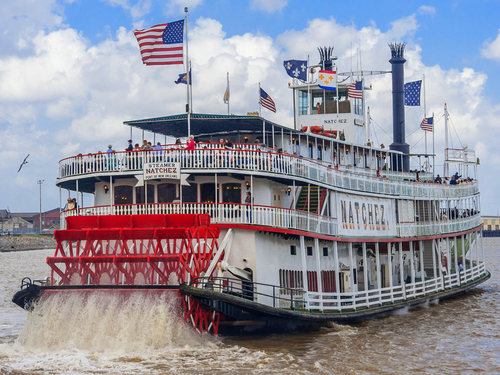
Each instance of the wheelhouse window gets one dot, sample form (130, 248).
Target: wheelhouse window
(189, 193)
(231, 193)
(139, 194)
(123, 195)
(166, 193)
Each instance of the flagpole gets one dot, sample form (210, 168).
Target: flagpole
(260, 109)
(425, 116)
(188, 109)
(190, 84)
(433, 145)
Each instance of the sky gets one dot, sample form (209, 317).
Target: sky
(71, 73)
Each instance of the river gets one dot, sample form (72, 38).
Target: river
(457, 336)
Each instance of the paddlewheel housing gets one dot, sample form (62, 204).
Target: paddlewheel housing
(138, 250)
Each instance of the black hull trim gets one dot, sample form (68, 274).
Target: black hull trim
(245, 315)
(31, 292)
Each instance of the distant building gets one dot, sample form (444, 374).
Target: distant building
(50, 219)
(28, 222)
(491, 222)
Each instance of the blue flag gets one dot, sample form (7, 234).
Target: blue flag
(296, 69)
(412, 93)
(183, 79)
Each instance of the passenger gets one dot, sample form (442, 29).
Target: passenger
(453, 180)
(178, 141)
(228, 145)
(130, 147)
(438, 180)
(144, 145)
(190, 143)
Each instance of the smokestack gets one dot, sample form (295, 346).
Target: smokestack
(326, 56)
(398, 110)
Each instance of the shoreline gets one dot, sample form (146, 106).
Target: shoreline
(25, 243)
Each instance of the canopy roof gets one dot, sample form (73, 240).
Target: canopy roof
(204, 124)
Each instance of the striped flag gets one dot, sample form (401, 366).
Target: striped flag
(355, 90)
(162, 44)
(266, 101)
(426, 124)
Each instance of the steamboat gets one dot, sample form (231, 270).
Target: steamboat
(285, 228)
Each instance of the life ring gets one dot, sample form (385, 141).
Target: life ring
(304, 128)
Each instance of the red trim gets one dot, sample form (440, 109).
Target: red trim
(340, 239)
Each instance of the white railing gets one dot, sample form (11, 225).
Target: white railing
(223, 213)
(436, 227)
(378, 297)
(262, 161)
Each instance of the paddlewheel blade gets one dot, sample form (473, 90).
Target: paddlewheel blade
(138, 250)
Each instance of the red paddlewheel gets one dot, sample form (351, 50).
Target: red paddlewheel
(202, 319)
(138, 250)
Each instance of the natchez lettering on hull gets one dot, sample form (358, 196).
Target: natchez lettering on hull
(362, 215)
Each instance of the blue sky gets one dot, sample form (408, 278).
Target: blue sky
(70, 73)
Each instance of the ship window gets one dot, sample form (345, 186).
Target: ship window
(325, 251)
(309, 251)
(231, 193)
(166, 193)
(302, 102)
(207, 193)
(189, 193)
(293, 250)
(123, 195)
(139, 194)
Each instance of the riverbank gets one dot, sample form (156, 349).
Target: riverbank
(21, 243)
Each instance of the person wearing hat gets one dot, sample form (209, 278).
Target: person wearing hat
(130, 147)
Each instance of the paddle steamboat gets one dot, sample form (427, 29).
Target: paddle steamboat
(333, 228)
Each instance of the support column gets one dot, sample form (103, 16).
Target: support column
(379, 275)
(440, 264)
(337, 274)
(304, 270)
(351, 279)
(412, 268)
(401, 270)
(434, 273)
(389, 260)
(455, 253)
(422, 270)
(463, 257)
(318, 270)
(365, 273)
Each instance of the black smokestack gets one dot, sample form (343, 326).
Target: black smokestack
(398, 110)
(326, 56)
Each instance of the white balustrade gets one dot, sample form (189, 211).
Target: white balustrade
(255, 160)
(276, 217)
(332, 302)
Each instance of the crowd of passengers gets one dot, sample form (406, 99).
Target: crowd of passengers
(455, 179)
(455, 213)
(225, 144)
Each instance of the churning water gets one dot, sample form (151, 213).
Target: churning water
(107, 333)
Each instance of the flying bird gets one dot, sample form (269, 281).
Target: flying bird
(24, 162)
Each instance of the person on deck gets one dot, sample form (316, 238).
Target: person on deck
(191, 143)
(130, 147)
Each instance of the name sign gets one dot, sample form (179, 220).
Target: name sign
(365, 216)
(154, 171)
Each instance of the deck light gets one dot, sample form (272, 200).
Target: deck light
(247, 185)
(106, 189)
(289, 190)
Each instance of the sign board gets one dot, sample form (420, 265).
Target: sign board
(366, 216)
(158, 170)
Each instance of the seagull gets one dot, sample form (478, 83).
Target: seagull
(24, 162)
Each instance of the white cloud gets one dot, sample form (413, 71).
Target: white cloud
(62, 96)
(427, 9)
(491, 49)
(268, 6)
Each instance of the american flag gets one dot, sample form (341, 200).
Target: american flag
(355, 90)
(426, 124)
(412, 93)
(266, 101)
(162, 44)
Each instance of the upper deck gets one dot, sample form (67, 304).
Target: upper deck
(254, 159)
